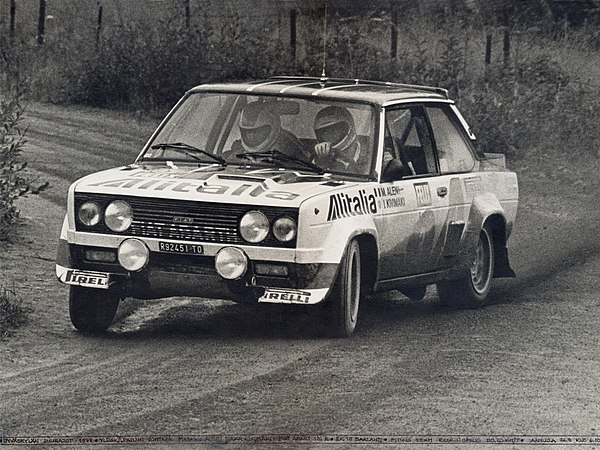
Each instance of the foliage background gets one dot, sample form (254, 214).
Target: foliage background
(539, 102)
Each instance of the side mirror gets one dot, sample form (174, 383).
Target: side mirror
(394, 170)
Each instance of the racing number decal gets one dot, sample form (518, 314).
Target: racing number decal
(423, 194)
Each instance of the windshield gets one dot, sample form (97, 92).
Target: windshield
(266, 131)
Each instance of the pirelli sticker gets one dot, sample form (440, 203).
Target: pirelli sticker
(83, 278)
(273, 295)
(423, 194)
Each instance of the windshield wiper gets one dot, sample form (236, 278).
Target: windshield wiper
(282, 157)
(189, 150)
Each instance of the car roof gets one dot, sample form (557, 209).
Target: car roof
(366, 91)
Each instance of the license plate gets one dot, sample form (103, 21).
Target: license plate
(186, 249)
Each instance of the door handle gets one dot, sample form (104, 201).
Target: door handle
(442, 191)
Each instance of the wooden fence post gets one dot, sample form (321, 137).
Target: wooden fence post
(13, 13)
(506, 45)
(41, 22)
(508, 11)
(186, 7)
(293, 19)
(99, 27)
(488, 48)
(394, 30)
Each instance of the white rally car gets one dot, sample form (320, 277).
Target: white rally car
(297, 191)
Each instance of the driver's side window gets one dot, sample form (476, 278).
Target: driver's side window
(409, 139)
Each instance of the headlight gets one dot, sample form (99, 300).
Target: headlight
(118, 216)
(89, 214)
(231, 263)
(284, 229)
(254, 227)
(133, 255)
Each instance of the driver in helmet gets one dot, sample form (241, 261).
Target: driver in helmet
(337, 145)
(261, 131)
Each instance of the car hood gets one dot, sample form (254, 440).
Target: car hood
(231, 184)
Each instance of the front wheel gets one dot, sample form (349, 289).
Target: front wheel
(472, 290)
(92, 310)
(342, 307)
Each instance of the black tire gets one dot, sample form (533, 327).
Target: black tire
(92, 310)
(343, 304)
(472, 290)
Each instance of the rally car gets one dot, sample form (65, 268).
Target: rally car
(304, 191)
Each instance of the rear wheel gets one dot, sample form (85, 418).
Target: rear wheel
(472, 290)
(92, 310)
(342, 308)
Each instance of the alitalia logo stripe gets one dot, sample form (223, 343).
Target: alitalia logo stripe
(344, 205)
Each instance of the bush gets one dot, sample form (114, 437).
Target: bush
(13, 183)
(148, 66)
(12, 312)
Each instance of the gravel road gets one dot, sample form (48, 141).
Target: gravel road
(528, 363)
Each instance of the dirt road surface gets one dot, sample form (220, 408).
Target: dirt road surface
(528, 363)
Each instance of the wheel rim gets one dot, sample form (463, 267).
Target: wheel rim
(481, 265)
(354, 288)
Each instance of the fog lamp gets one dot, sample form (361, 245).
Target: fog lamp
(231, 263)
(133, 255)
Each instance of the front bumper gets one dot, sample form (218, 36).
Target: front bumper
(169, 275)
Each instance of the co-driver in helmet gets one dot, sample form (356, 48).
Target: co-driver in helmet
(337, 145)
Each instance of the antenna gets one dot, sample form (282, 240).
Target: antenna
(324, 40)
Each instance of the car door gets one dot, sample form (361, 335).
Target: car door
(413, 210)
(458, 167)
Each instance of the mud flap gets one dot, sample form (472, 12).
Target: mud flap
(415, 293)
(502, 267)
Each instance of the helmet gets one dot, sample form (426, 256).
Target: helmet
(335, 125)
(259, 127)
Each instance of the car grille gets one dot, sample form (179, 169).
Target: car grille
(185, 220)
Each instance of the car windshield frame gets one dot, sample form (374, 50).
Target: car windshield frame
(225, 122)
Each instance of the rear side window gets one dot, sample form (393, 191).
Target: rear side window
(454, 153)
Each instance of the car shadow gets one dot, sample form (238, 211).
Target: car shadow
(226, 320)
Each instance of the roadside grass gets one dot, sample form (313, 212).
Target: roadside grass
(13, 313)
